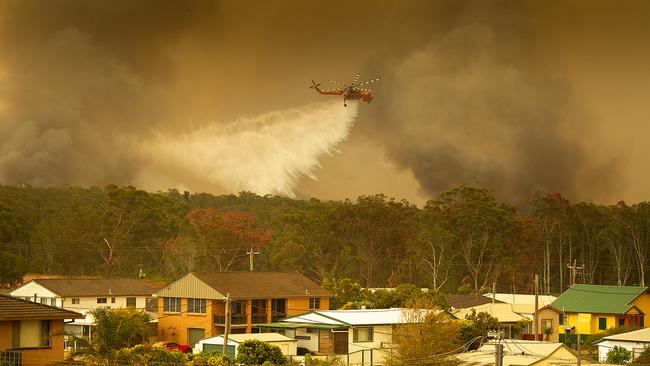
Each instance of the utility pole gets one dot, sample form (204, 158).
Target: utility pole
(574, 271)
(579, 362)
(251, 253)
(494, 292)
(498, 346)
(140, 271)
(535, 320)
(227, 325)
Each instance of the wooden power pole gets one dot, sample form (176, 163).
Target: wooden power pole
(226, 331)
(535, 320)
(251, 253)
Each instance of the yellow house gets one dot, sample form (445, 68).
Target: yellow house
(193, 307)
(590, 309)
(28, 331)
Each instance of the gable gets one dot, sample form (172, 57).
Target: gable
(189, 286)
(596, 299)
(30, 288)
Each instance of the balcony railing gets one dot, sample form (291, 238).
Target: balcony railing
(11, 358)
(259, 318)
(234, 319)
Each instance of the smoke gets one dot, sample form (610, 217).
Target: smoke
(266, 153)
(154, 94)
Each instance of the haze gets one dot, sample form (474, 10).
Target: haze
(516, 96)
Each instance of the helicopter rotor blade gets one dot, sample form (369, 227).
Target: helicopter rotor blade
(356, 78)
(368, 82)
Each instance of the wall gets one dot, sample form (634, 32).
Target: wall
(606, 346)
(300, 305)
(643, 303)
(38, 356)
(87, 303)
(381, 334)
(546, 313)
(31, 288)
(173, 326)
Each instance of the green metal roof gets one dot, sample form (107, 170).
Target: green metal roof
(597, 299)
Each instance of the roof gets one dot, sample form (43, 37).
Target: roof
(12, 308)
(466, 301)
(522, 298)
(505, 313)
(246, 285)
(345, 318)
(516, 352)
(67, 287)
(641, 336)
(597, 299)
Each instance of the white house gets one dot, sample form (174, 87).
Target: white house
(81, 295)
(520, 353)
(287, 345)
(634, 341)
(358, 335)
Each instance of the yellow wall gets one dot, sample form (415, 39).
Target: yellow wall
(589, 322)
(37, 356)
(173, 326)
(643, 303)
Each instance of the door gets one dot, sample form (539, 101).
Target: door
(194, 335)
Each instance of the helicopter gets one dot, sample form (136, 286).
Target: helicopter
(352, 91)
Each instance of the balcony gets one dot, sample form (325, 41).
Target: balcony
(276, 315)
(235, 319)
(259, 318)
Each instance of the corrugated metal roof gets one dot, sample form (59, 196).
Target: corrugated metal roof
(12, 308)
(503, 312)
(641, 335)
(361, 317)
(69, 287)
(597, 299)
(516, 352)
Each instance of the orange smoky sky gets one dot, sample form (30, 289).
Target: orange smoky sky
(516, 96)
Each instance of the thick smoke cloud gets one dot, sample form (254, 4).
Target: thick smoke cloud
(130, 92)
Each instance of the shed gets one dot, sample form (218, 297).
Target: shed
(287, 345)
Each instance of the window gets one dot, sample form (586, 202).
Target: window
(314, 303)
(102, 300)
(30, 333)
(53, 301)
(112, 300)
(171, 304)
(258, 311)
(546, 324)
(75, 300)
(602, 323)
(196, 306)
(44, 300)
(278, 309)
(562, 319)
(363, 334)
(130, 302)
(621, 322)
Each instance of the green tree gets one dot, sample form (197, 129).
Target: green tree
(474, 326)
(343, 291)
(254, 352)
(618, 355)
(114, 329)
(643, 358)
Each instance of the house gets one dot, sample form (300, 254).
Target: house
(83, 294)
(356, 334)
(590, 309)
(514, 299)
(28, 329)
(549, 327)
(634, 341)
(287, 345)
(514, 319)
(520, 353)
(193, 307)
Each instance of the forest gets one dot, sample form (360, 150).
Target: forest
(461, 241)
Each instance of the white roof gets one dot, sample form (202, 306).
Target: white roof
(505, 313)
(239, 338)
(641, 335)
(516, 352)
(361, 317)
(542, 300)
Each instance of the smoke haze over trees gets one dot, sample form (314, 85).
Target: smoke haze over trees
(462, 240)
(517, 96)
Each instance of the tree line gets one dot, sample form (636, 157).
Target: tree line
(463, 240)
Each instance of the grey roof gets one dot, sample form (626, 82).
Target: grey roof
(67, 287)
(12, 308)
(247, 285)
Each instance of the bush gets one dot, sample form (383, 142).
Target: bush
(331, 360)
(210, 359)
(618, 355)
(255, 352)
(643, 359)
